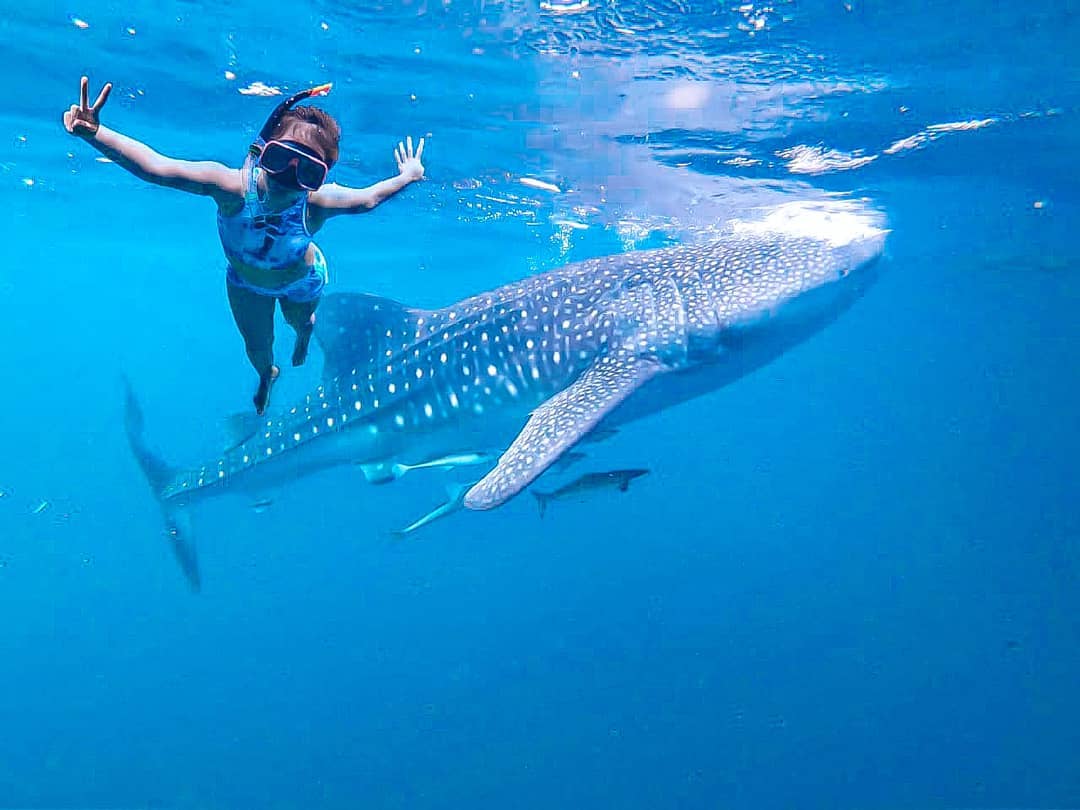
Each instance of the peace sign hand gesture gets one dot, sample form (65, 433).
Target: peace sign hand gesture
(82, 118)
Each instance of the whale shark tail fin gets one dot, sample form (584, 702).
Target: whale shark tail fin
(159, 474)
(353, 329)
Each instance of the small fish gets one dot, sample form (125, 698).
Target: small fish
(3, 493)
(261, 506)
(382, 472)
(41, 507)
(444, 463)
(589, 482)
(456, 495)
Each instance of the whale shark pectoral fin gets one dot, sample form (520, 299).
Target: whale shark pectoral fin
(560, 423)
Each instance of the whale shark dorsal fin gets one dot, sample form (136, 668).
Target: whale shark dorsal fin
(239, 427)
(560, 423)
(355, 329)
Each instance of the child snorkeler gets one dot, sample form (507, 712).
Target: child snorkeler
(268, 210)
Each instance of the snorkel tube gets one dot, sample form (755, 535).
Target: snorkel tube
(275, 117)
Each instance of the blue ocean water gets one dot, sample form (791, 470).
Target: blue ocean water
(850, 579)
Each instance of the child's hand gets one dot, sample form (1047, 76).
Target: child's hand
(409, 165)
(82, 118)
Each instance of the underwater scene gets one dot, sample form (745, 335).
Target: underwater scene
(540, 403)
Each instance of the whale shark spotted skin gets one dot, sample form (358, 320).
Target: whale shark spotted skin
(527, 370)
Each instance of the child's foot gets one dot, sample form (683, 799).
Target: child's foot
(262, 394)
(300, 348)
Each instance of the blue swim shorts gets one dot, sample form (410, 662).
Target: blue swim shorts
(301, 291)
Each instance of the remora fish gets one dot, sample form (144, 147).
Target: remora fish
(455, 494)
(384, 472)
(547, 360)
(589, 482)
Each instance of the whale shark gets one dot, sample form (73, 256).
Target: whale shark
(519, 375)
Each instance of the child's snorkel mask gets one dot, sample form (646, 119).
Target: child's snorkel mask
(285, 161)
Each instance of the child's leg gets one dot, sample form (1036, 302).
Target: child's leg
(254, 316)
(301, 317)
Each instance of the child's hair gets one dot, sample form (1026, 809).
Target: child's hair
(327, 130)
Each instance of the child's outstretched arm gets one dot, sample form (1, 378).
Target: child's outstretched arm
(332, 199)
(197, 177)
